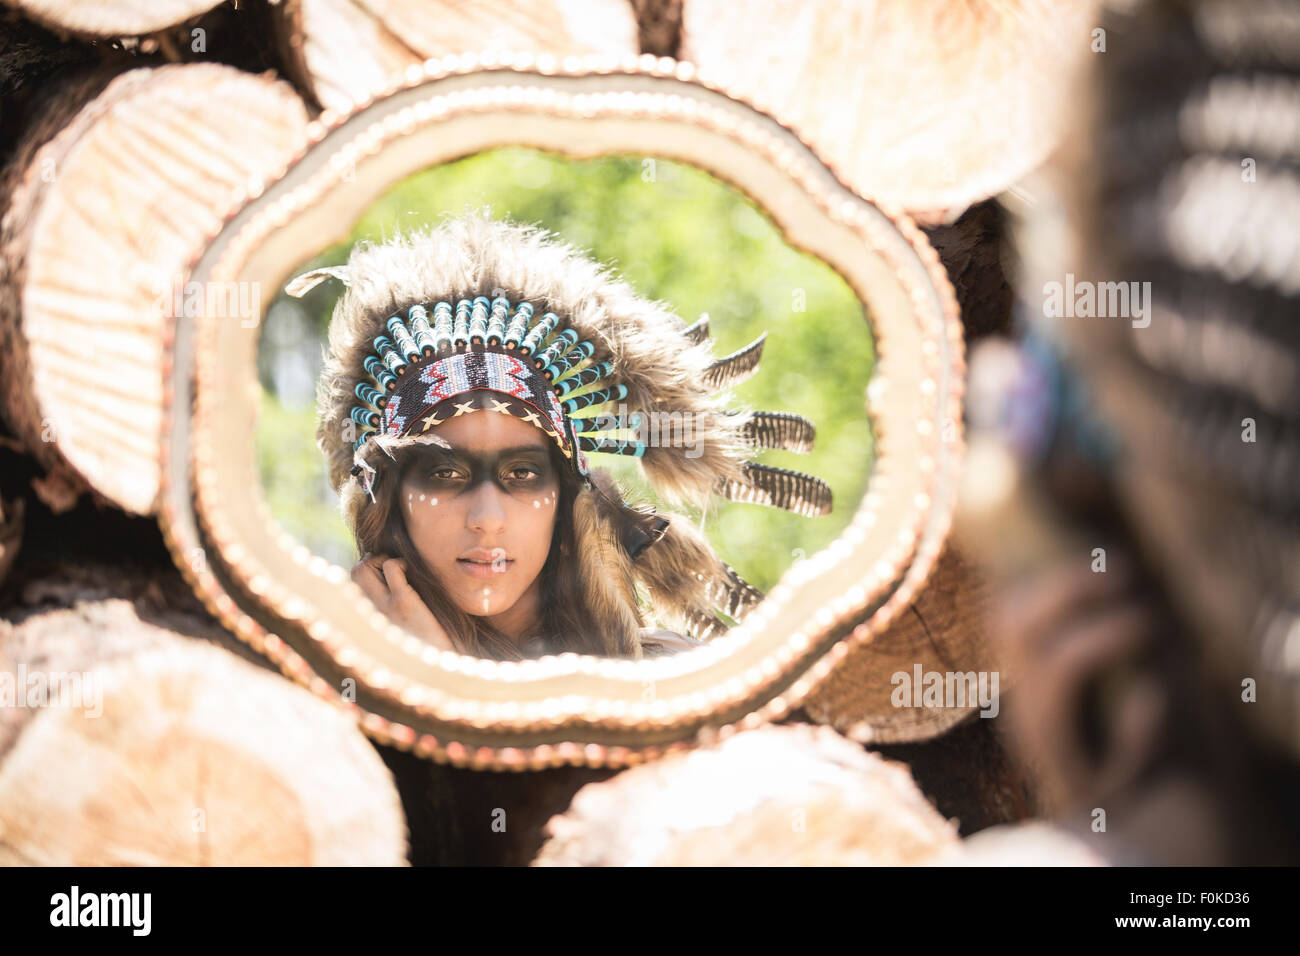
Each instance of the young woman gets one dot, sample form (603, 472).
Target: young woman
(481, 533)
(471, 367)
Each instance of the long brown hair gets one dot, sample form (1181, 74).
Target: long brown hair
(569, 621)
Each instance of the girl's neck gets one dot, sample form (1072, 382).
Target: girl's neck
(519, 622)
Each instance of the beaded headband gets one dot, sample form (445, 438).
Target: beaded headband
(538, 372)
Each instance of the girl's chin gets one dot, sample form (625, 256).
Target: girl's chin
(478, 604)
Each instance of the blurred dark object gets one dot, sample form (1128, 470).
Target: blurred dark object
(970, 250)
(1117, 708)
(659, 24)
(1195, 189)
(1134, 477)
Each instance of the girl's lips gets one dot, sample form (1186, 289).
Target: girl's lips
(489, 569)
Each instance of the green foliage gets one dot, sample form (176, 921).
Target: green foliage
(293, 476)
(680, 236)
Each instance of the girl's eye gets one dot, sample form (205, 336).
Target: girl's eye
(522, 473)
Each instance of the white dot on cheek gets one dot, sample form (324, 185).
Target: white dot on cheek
(433, 501)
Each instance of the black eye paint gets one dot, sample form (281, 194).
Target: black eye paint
(523, 469)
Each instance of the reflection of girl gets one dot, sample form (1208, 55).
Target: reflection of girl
(468, 368)
(483, 535)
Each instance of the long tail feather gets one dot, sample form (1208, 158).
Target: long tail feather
(781, 430)
(736, 367)
(779, 488)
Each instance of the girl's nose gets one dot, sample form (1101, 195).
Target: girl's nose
(486, 514)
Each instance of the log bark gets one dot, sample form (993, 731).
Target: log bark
(163, 748)
(831, 803)
(11, 533)
(972, 251)
(659, 23)
(929, 105)
(344, 51)
(462, 817)
(109, 195)
(974, 775)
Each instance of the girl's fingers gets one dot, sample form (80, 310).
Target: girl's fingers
(384, 581)
(371, 583)
(368, 575)
(395, 575)
(404, 596)
(410, 608)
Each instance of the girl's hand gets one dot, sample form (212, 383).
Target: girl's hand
(384, 581)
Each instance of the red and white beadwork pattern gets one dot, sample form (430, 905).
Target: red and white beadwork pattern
(470, 371)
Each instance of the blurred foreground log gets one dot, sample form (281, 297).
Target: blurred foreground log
(123, 742)
(930, 105)
(109, 196)
(1024, 844)
(117, 18)
(780, 795)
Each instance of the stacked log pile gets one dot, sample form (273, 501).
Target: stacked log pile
(128, 130)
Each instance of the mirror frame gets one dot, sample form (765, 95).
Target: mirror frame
(307, 616)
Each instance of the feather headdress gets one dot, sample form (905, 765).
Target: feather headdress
(550, 336)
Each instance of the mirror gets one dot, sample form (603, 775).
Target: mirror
(679, 236)
(703, 205)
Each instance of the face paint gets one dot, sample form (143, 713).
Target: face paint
(497, 489)
(523, 472)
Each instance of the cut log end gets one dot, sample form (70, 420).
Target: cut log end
(123, 743)
(121, 18)
(832, 803)
(929, 105)
(873, 695)
(345, 51)
(109, 198)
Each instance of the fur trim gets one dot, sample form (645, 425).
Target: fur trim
(687, 581)
(605, 573)
(475, 255)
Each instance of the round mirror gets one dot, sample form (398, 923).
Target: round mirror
(791, 337)
(730, 414)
